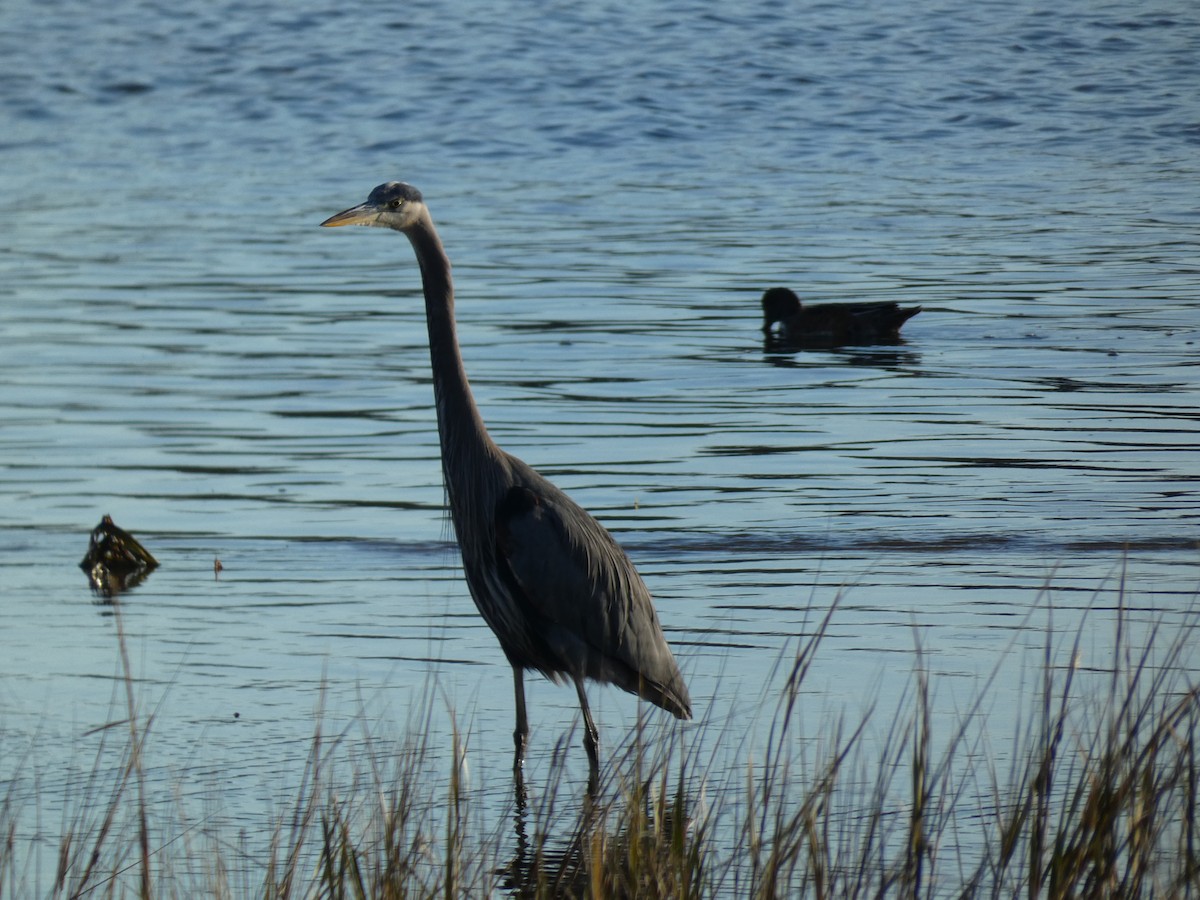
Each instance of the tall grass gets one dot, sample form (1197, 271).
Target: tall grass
(1099, 800)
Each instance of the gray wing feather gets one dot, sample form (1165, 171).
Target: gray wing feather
(585, 596)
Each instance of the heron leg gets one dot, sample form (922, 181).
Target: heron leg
(591, 737)
(521, 734)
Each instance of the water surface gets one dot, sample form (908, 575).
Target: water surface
(185, 350)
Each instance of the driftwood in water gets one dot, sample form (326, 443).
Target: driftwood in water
(115, 560)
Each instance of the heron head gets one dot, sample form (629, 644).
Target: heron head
(393, 205)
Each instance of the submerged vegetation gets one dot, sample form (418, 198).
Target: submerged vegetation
(1097, 798)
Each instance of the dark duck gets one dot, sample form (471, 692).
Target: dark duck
(789, 324)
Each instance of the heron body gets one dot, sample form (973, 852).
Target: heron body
(786, 321)
(550, 581)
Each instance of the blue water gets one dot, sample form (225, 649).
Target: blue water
(185, 350)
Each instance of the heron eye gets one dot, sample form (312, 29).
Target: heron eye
(396, 204)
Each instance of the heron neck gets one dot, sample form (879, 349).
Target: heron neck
(460, 426)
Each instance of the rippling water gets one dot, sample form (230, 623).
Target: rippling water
(185, 350)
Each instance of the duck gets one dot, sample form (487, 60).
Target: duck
(786, 322)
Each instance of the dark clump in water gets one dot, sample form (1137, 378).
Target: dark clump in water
(115, 561)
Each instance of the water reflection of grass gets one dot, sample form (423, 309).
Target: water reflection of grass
(1099, 801)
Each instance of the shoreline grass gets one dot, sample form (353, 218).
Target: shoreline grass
(1099, 800)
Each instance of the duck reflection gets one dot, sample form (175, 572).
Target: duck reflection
(890, 358)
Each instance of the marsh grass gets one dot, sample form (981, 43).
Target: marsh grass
(1099, 799)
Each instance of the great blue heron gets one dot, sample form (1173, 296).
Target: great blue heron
(830, 324)
(551, 582)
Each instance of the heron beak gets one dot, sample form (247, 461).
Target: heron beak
(363, 214)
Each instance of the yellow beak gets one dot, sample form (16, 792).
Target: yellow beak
(363, 214)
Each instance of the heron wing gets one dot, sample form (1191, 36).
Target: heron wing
(564, 566)
(584, 596)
